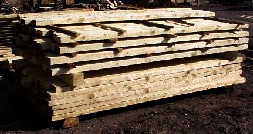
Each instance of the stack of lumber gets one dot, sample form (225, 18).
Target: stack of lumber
(247, 20)
(7, 35)
(84, 62)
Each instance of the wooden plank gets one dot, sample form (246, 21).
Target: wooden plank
(54, 59)
(6, 37)
(80, 67)
(150, 87)
(77, 81)
(6, 40)
(6, 50)
(133, 73)
(98, 92)
(73, 79)
(246, 18)
(14, 58)
(7, 16)
(105, 16)
(90, 32)
(43, 32)
(163, 93)
(46, 44)
(3, 59)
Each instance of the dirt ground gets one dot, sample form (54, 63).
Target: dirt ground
(222, 110)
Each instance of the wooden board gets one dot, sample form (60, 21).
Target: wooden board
(124, 92)
(54, 59)
(46, 44)
(91, 32)
(246, 18)
(162, 91)
(105, 16)
(7, 16)
(81, 67)
(98, 92)
(133, 73)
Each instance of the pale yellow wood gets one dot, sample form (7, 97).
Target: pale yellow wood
(7, 16)
(3, 59)
(163, 92)
(91, 12)
(104, 16)
(14, 58)
(72, 79)
(54, 59)
(42, 31)
(103, 92)
(171, 68)
(90, 32)
(45, 43)
(135, 60)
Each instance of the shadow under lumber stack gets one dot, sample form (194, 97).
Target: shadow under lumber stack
(7, 37)
(83, 62)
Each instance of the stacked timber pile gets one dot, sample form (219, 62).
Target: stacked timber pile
(247, 20)
(85, 62)
(7, 35)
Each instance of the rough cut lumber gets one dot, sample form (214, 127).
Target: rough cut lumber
(7, 32)
(101, 91)
(105, 16)
(9, 16)
(246, 18)
(132, 73)
(42, 32)
(81, 67)
(91, 32)
(73, 79)
(46, 44)
(139, 90)
(163, 92)
(82, 62)
(54, 59)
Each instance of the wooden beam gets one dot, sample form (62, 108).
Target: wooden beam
(105, 16)
(80, 67)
